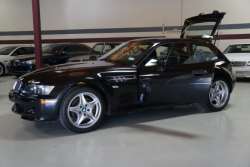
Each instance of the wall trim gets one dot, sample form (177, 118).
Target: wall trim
(114, 39)
(115, 30)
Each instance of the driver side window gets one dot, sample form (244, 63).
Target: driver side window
(159, 53)
(20, 51)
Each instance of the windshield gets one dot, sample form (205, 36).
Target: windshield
(199, 29)
(7, 50)
(127, 53)
(243, 48)
(52, 49)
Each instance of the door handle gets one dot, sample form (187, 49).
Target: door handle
(199, 72)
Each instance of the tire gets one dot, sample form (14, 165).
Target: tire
(220, 93)
(85, 115)
(18, 76)
(1, 69)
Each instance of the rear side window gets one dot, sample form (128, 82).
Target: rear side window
(77, 49)
(29, 50)
(191, 53)
(201, 53)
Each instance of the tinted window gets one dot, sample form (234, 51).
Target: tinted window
(29, 50)
(76, 49)
(20, 51)
(191, 53)
(52, 49)
(178, 55)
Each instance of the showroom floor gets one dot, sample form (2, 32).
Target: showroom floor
(176, 137)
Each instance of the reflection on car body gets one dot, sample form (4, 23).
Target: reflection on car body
(52, 55)
(96, 52)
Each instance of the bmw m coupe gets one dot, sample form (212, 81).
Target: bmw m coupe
(135, 75)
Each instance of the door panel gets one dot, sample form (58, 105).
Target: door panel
(186, 77)
(176, 84)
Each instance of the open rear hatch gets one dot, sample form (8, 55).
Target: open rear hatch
(202, 26)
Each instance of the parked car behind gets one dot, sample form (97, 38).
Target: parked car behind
(52, 55)
(239, 55)
(10, 52)
(96, 52)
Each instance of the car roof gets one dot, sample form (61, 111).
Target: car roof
(166, 40)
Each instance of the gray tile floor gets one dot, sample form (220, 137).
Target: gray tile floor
(175, 137)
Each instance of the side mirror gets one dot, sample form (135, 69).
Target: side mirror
(93, 58)
(160, 64)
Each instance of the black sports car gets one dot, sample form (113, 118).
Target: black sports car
(135, 75)
(53, 54)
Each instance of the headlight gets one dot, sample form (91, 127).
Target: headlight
(38, 89)
(248, 63)
(30, 62)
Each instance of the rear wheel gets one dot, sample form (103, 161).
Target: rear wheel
(1, 69)
(82, 109)
(219, 95)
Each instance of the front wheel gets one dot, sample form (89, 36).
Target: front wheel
(219, 95)
(82, 109)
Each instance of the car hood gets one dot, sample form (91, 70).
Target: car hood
(4, 57)
(29, 57)
(86, 69)
(238, 56)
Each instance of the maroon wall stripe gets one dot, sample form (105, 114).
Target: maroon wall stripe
(114, 39)
(77, 40)
(233, 36)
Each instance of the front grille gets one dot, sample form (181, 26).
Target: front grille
(238, 63)
(17, 86)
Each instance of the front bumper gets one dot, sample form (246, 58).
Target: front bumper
(241, 72)
(20, 69)
(31, 108)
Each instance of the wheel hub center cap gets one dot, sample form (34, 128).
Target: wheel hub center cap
(84, 109)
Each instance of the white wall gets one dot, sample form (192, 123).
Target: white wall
(16, 15)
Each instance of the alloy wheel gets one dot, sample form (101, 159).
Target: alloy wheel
(84, 110)
(218, 94)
